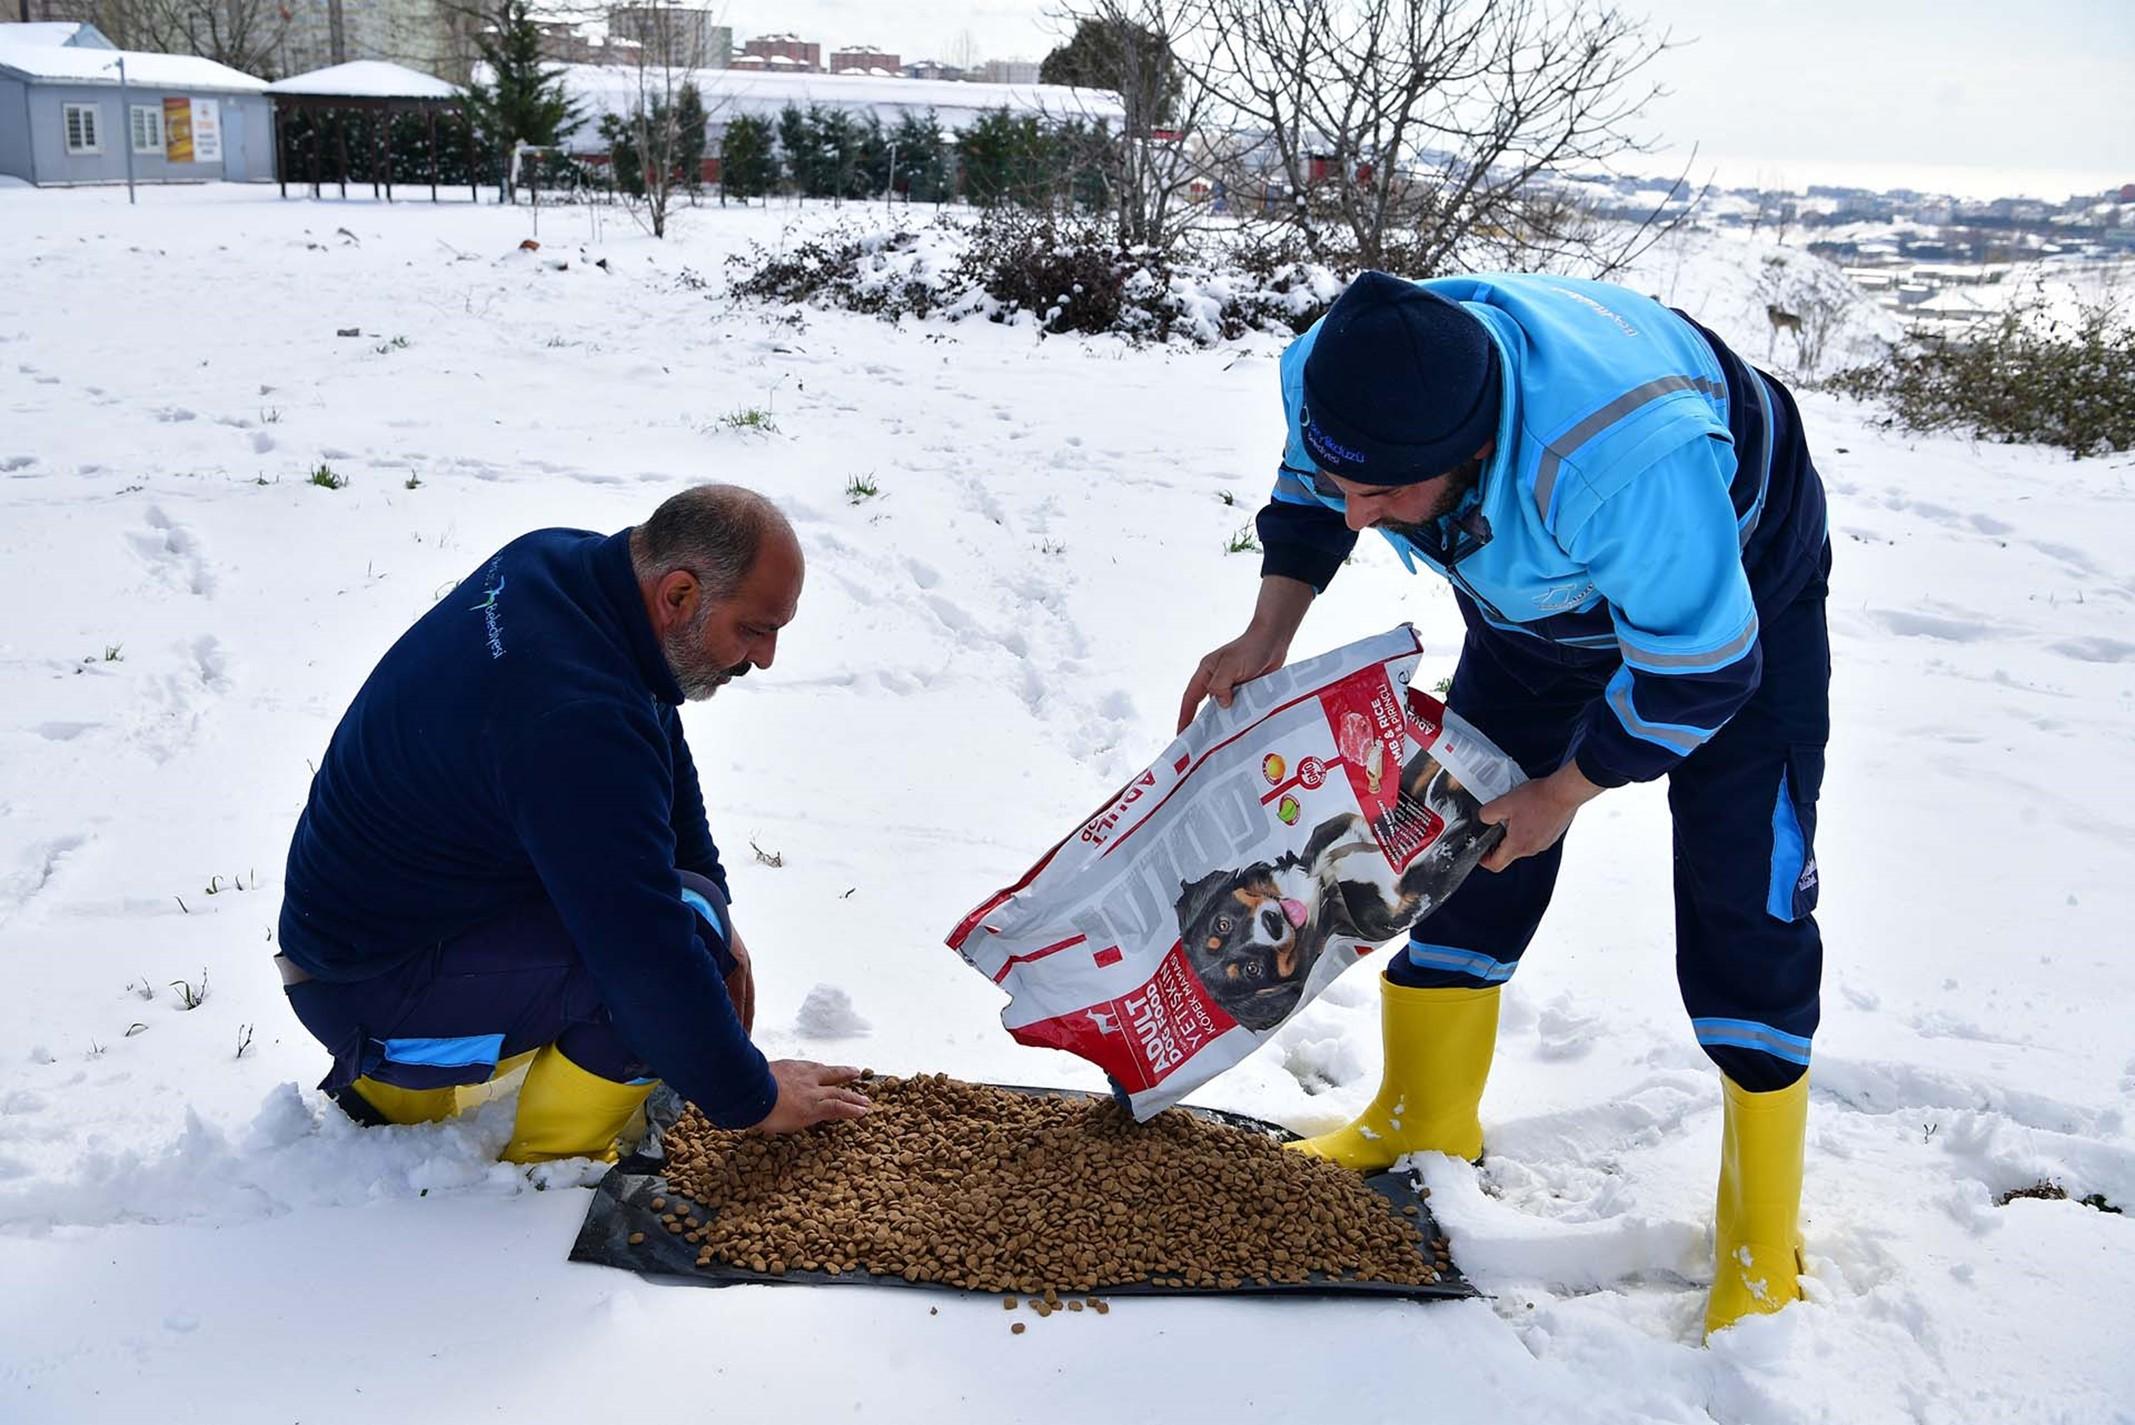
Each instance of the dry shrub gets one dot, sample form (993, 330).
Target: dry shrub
(2022, 377)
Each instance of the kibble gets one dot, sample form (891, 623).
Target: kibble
(1016, 1328)
(1030, 1196)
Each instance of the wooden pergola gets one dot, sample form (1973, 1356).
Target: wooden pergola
(333, 97)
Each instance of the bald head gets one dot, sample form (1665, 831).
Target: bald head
(720, 570)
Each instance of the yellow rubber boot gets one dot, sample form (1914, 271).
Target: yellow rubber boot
(398, 1105)
(565, 1112)
(1757, 1222)
(468, 1097)
(1438, 1048)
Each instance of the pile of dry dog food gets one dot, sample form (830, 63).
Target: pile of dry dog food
(993, 1190)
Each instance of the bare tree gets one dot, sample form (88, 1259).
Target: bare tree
(663, 134)
(1424, 133)
(1159, 158)
(244, 34)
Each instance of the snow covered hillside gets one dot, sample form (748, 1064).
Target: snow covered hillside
(987, 645)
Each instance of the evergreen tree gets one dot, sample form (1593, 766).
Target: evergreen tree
(797, 148)
(922, 159)
(520, 99)
(624, 161)
(1133, 61)
(1004, 159)
(1084, 160)
(838, 148)
(747, 166)
(690, 124)
(871, 175)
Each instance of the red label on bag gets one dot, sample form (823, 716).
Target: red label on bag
(1371, 729)
(1141, 1036)
(1427, 717)
(1405, 829)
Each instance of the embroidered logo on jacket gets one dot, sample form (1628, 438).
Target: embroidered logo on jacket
(492, 620)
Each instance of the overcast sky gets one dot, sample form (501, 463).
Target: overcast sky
(1807, 90)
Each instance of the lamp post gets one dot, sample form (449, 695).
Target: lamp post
(125, 123)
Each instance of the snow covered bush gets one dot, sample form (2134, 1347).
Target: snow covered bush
(1059, 273)
(1060, 270)
(890, 274)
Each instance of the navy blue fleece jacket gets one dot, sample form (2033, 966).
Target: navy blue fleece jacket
(520, 741)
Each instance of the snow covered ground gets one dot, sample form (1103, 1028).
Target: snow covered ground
(986, 647)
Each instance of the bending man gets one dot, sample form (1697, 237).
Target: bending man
(1636, 539)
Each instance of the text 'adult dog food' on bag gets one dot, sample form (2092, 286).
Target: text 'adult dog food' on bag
(1274, 844)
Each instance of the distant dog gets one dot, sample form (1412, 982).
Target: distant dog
(1254, 934)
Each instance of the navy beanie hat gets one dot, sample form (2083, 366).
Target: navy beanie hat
(1401, 385)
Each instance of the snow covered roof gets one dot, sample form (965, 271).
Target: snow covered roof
(1953, 302)
(62, 63)
(366, 79)
(763, 93)
(55, 32)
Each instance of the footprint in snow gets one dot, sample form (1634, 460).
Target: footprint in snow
(952, 614)
(172, 552)
(1916, 625)
(39, 863)
(211, 663)
(64, 731)
(2095, 650)
(1563, 1033)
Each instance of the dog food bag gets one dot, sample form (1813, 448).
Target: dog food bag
(1272, 845)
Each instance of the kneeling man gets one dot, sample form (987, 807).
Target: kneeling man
(505, 857)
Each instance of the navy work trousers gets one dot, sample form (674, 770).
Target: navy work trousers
(1748, 957)
(511, 985)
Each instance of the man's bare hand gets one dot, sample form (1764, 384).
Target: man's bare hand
(1250, 655)
(741, 985)
(1260, 650)
(1536, 814)
(811, 1093)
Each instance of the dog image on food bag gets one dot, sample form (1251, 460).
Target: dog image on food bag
(1253, 934)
